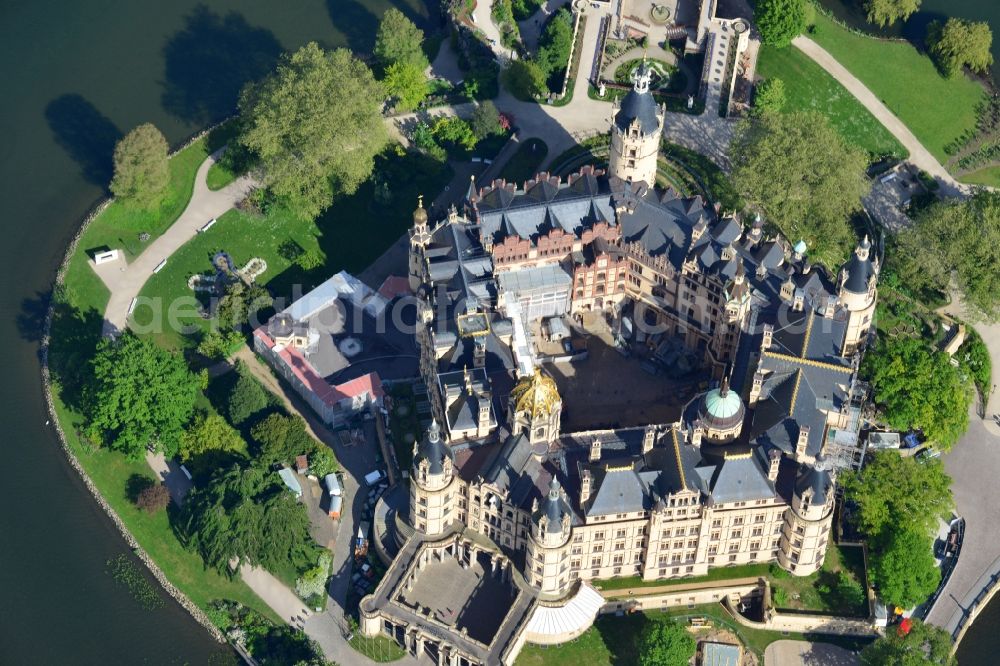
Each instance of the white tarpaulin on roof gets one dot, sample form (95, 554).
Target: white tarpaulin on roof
(571, 618)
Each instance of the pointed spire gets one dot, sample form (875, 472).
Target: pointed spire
(554, 489)
(724, 387)
(434, 432)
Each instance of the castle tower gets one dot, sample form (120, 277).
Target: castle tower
(548, 548)
(431, 482)
(420, 236)
(857, 292)
(635, 133)
(808, 520)
(536, 408)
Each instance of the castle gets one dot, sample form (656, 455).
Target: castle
(745, 475)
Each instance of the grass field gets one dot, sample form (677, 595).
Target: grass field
(219, 175)
(937, 110)
(524, 163)
(809, 88)
(985, 176)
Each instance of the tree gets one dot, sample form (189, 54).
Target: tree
(322, 461)
(923, 645)
(399, 41)
(313, 582)
(142, 171)
(903, 567)
(280, 438)
(153, 498)
(248, 514)
(247, 398)
(886, 12)
(960, 43)
(218, 345)
(780, 21)
(803, 176)
(525, 79)
(316, 125)
(406, 83)
(959, 238)
(455, 131)
(485, 120)
(210, 432)
(892, 491)
(916, 387)
(140, 395)
(665, 643)
(770, 97)
(240, 304)
(555, 43)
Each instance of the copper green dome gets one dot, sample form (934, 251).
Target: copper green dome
(721, 409)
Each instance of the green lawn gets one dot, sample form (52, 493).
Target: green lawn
(377, 648)
(818, 592)
(614, 640)
(937, 110)
(985, 176)
(219, 175)
(110, 472)
(524, 163)
(720, 573)
(809, 88)
(351, 234)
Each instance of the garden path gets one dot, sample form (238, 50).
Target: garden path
(205, 204)
(919, 156)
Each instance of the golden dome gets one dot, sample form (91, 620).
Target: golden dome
(537, 395)
(420, 214)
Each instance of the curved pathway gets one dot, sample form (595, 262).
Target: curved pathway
(125, 282)
(919, 156)
(974, 465)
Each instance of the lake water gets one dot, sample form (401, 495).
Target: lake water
(77, 74)
(982, 641)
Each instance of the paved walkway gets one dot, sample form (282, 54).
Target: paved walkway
(974, 466)
(169, 472)
(125, 283)
(804, 653)
(275, 594)
(919, 155)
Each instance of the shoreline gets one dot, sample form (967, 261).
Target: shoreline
(173, 591)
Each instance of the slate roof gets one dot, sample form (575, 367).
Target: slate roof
(640, 107)
(433, 450)
(859, 271)
(819, 480)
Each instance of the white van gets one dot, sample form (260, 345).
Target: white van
(374, 478)
(332, 484)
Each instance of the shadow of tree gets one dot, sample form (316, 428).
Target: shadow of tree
(210, 60)
(621, 636)
(87, 135)
(135, 484)
(74, 338)
(357, 24)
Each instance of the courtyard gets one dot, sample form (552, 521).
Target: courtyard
(608, 389)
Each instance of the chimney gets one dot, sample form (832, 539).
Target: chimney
(768, 335)
(774, 460)
(800, 445)
(756, 387)
(648, 439)
(585, 481)
(484, 412)
(595, 449)
(479, 353)
(696, 432)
